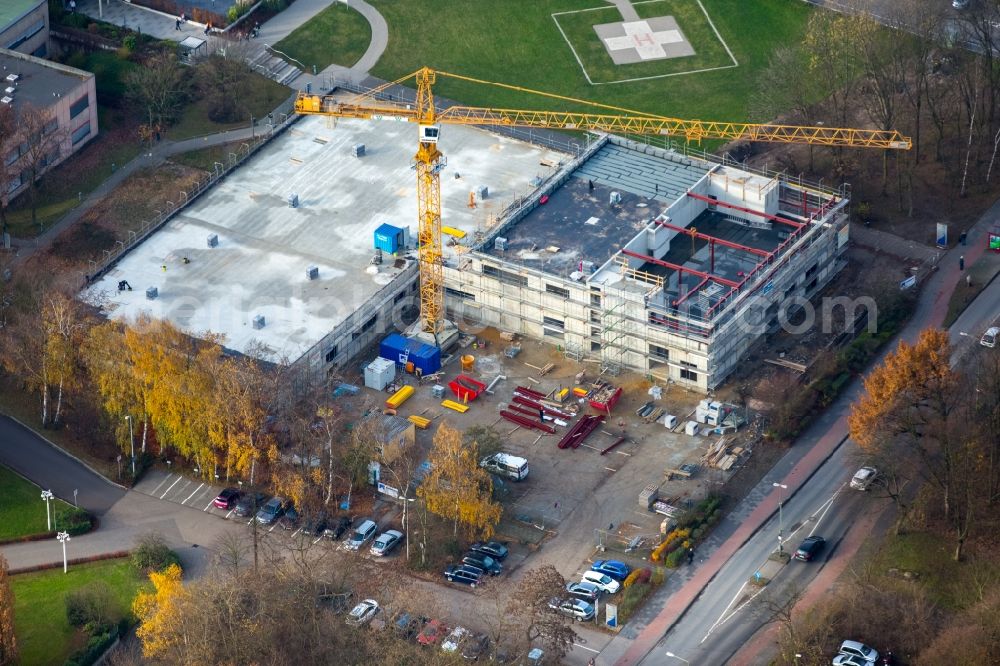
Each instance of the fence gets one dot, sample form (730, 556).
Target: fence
(281, 118)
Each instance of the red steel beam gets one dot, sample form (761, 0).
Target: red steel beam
(713, 239)
(773, 218)
(677, 267)
(691, 292)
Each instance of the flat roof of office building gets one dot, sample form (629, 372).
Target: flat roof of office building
(31, 80)
(265, 246)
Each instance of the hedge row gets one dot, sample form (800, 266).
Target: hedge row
(76, 560)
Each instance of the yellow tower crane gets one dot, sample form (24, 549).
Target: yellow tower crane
(429, 161)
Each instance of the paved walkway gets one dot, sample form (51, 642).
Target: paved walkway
(897, 246)
(930, 312)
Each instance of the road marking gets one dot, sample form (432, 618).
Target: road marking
(588, 649)
(272, 527)
(588, 446)
(610, 470)
(317, 539)
(193, 492)
(157, 488)
(231, 511)
(179, 477)
(210, 505)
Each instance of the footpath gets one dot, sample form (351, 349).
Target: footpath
(930, 312)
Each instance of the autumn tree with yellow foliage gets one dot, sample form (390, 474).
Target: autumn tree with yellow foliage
(457, 488)
(160, 616)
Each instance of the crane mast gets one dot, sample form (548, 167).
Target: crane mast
(429, 161)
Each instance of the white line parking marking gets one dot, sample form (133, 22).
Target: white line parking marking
(584, 647)
(179, 477)
(230, 512)
(317, 539)
(193, 493)
(272, 527)
(210, 505)
(160, 484)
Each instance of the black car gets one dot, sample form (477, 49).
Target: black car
(290, 520)
(809, 548)
(407, 625)
(476, 648)
(338, 527)
(462, 574)
(484, 562)
(248, 504)
(494, 549)
(314, 524)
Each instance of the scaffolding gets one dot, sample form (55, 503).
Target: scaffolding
(615, 331)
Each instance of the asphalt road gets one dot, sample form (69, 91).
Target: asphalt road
(38, 460)
(722, 620)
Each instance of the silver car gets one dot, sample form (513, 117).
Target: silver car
(385, 542)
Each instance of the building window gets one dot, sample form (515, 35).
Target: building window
(558, 291)
(595, 332)
(689, 364)
(41, 51)
(812, 270)
(80, 134)
(595, 346)
(459, 294)
(50, 126)
(505, 277)
(553, 333)
(811, 285)
(659, 353)
(370, 324)
(398, 297)
(595, 300)
(595, 318)
(332, 354)
(688, 375)
(28, 34)
(554, 323)
(79, 106)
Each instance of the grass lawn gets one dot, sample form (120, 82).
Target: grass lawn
(44, 635)
(205, 158)
(22, 511)
(337, 35)
(981, 272)
(518, 42)
(261, 97)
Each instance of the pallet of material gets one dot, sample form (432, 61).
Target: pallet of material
(727, 462)
(457, 406)
(525, 422)
(399, 397)
(654, 415)
(419, 421)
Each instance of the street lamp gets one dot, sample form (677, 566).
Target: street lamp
(47, 498)
(781, 521)
(63, 538)
(671, 654)
(131, 441)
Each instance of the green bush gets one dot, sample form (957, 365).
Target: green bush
(73, 520)
(153, 554)
(97, 645)
(659, 575)
(674, 559)
(94, 607)
(274, 5)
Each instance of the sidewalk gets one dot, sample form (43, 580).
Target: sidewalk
(930, 311)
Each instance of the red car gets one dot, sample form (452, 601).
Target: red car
(432, 633)
(227, 498)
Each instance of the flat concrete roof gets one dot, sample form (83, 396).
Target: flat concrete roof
(39, 82)
(579, 221)
(265, 246)
(13, 10)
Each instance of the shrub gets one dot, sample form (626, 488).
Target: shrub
(675, 558)
(93, 606)
(274, 5)
(73, 520)
(630, 579)
(644, 575)
(96, 646)
(659, 575)
(153, 554)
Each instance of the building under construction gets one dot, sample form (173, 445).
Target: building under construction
(651, 260)
(640, 257)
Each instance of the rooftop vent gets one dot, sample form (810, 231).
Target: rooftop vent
(213, 240)
(358, 150)
(6, 100)
(9, 90)
(13, 77)
(152, 293)
(500, 243)
(312, 272)
(258, 322)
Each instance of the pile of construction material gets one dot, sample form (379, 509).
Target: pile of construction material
(719, 415)
(722, 456)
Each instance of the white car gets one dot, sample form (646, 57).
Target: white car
(385, 542)
(863, 478)
(989, 338)
(850, 660)
(362, 613)
(455, 639)
(604, 582)
(856, 649)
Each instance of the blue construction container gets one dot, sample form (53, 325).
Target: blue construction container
(425, 358)
(389, 239)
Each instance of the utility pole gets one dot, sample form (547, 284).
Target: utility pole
(781, 522)
(47, 498)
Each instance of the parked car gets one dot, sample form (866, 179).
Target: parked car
(850, 660)
(271, 511)
(484, 562)
(859, 650)
(247, 505)
(463, 574)
(432, 632)
(385, 542)
(607, 584)
(407, 625)
(959, 4)
(455, 639)
(585, 591)
(362, 613)
(476, 647)
(494, 549)
(290, 520)
(227, 499)
(313, 525)
(810, 547)
(578, 609)
(863, 478)
(989, 338)
(334, 529)
(617, 570)
(362, 534)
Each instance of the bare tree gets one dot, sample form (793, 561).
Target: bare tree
(8, 130)
(159, 87)
(42, 142)
(540, 623)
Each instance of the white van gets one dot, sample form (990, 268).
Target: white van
(504, 464)
(362, 534)
(989, 338)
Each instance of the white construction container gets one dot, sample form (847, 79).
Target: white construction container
(691, 428)
(670, 421)
(380, 373)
